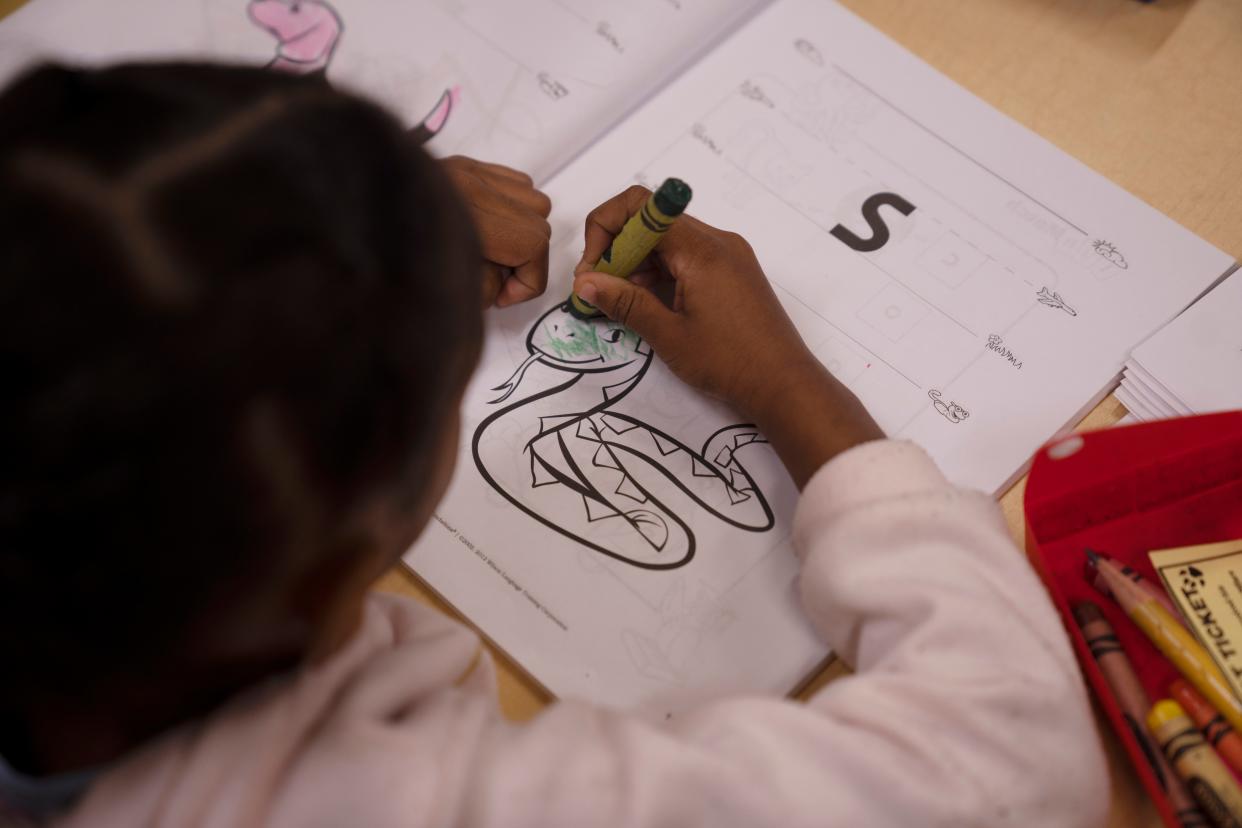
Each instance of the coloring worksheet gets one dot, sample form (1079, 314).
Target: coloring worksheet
(625, 537)
(976, 287)
(528, 84)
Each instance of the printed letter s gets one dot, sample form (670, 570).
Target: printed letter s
(879, 230)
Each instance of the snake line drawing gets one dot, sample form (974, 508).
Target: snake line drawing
(602, 477)
(307, 33)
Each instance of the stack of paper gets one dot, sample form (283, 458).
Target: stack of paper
(1193, 365)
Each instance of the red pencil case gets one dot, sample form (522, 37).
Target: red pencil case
(1124, 492)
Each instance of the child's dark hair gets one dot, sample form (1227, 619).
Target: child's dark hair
(236, 305)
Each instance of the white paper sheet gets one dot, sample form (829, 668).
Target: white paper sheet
(537, 81)
(1198, 356)
(1003, 303)
(1135, 386)
(1137, 373)
(1137, 406)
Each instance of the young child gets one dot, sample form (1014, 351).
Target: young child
(240, 311)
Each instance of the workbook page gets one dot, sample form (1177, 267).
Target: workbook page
(529, 84)
(625, 538)
(975, 286)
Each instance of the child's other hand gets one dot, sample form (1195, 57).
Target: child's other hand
(512, 221)
(726, 334)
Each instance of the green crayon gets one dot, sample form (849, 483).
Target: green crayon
(638, 237)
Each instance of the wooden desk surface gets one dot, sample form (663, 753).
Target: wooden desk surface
(1148, 95)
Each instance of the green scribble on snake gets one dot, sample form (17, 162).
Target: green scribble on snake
(579, 337)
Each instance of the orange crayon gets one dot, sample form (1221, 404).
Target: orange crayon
(1215, 729)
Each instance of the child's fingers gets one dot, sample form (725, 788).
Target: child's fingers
(517, 243)
(490, 203)
(692, 247)
(518, 186)
(489, 196)
(496, 169)
(522, 194)
(648, 278)
(514, 234)
(514, 241)
(632, 305)
(494, 277)
(605, 222)
(651, 266)
(514, 238)
(682, 252)
(525, 282)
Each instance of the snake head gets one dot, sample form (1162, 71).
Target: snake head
(562, 341)
(568, 343)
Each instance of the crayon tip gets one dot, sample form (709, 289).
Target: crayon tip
(1163, 712)
(672, 197)
(1087, 611)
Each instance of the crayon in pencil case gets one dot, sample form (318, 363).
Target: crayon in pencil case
(1210, 722)
(1134, 703)
(1150, 587)
(1173, 640)
(1205, 775)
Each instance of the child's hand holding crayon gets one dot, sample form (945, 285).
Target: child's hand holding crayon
(726, 334)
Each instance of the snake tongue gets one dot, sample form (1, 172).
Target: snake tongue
(514, 381)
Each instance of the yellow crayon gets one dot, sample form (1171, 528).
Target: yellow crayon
(1210, 782)
(638, 237)
(1173, 640)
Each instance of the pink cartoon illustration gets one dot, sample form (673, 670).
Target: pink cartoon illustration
(431, 125)
(307, 33)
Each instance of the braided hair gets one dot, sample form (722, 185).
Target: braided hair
(233, 305)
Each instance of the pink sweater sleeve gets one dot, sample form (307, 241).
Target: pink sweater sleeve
(967, 708)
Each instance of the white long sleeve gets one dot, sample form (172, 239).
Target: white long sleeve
(967, 708)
